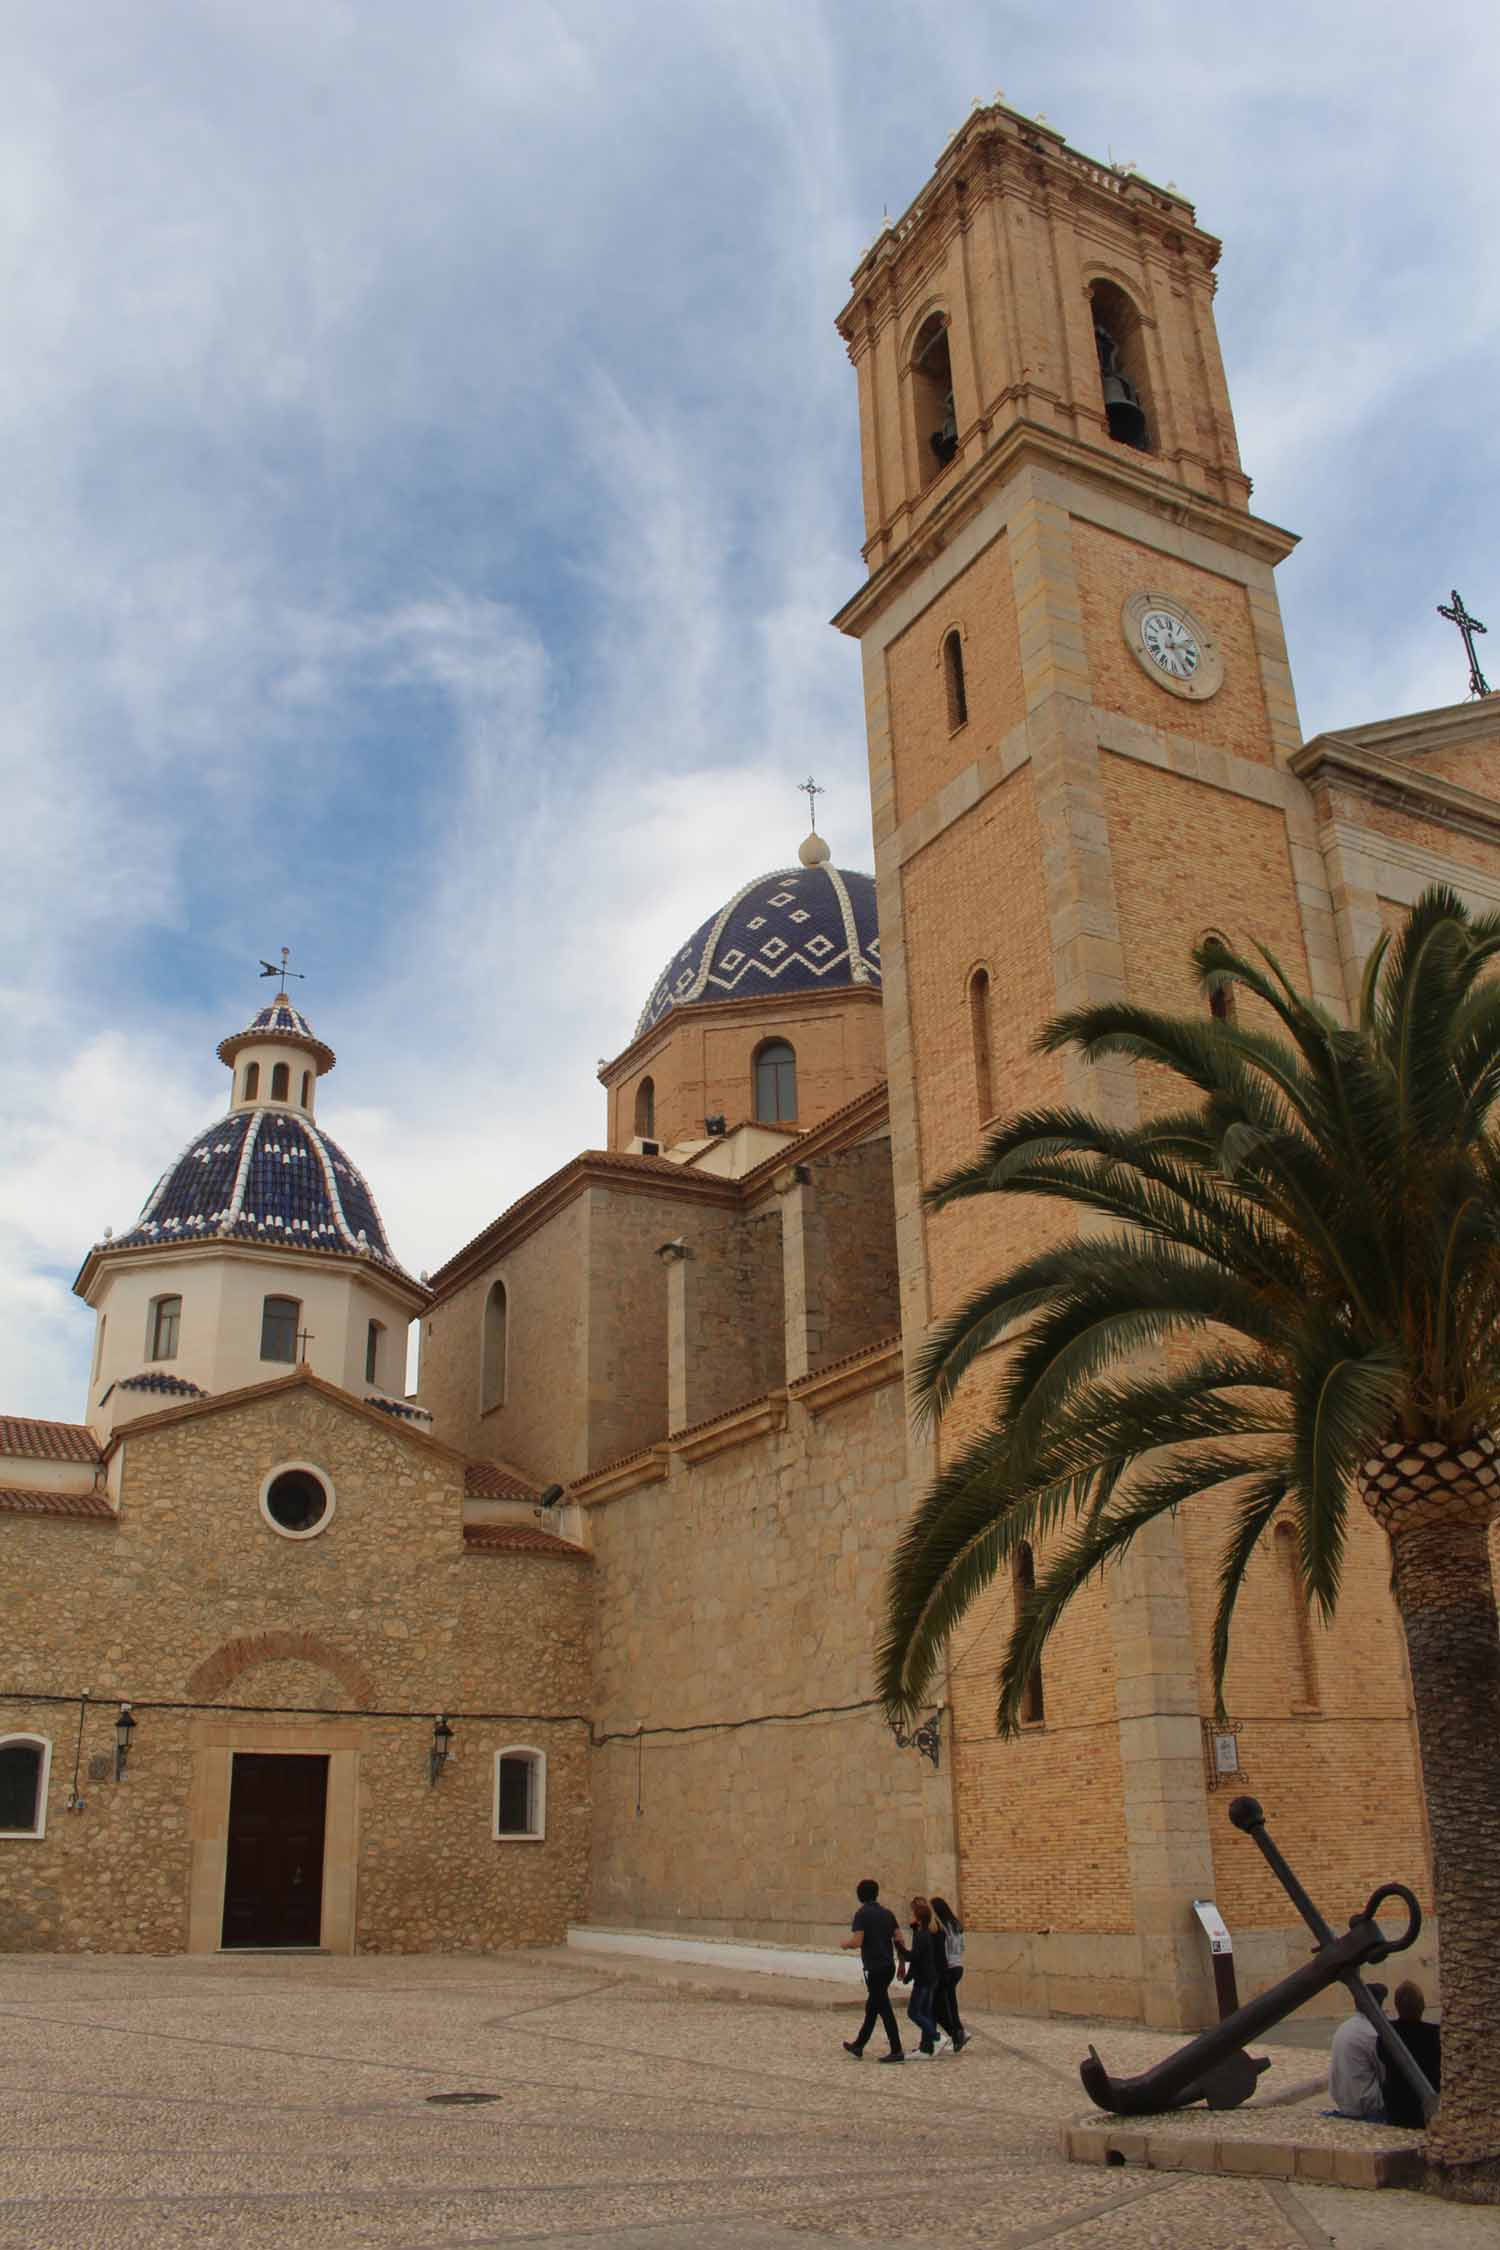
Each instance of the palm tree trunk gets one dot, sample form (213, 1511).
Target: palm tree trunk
(1446, 1595)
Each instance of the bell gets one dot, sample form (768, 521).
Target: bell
(1127, 424)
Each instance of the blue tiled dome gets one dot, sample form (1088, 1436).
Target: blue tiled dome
(280, 1021)
(264, 1176)
(800, 929)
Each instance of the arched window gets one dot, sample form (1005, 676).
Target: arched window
(281, 1082)
(373, 1334)
(1294, 1598)
(979, 1034)
(25, 1760)
(776, 1083)
(1023, 1586)
(645, 1110)
(932, 398)
(953, 680)
(163, 1327)
(306, 1087)
(252, 1081)
(521, 1793)
(495, 1348)
(1122, 365)
(279, 1317)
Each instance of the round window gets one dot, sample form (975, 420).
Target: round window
(297, 1501)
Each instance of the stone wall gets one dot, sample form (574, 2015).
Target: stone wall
(727, 1319)
(194, 1609)
(746, 1585)
(541, 1427)
(851, 1295)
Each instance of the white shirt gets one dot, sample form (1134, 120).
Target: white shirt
(1354, 2080)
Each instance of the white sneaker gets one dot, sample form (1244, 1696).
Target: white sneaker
(944, 2045)
(917, 2054)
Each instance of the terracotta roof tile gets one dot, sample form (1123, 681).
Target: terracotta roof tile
(47, 1441)
(517, 1539)
(492, 1480)
(18, 1500)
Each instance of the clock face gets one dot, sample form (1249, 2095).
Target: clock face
(1172, 647)
(1170, 642)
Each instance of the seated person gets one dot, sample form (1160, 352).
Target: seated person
(1423, 2042)
(1355, 2085)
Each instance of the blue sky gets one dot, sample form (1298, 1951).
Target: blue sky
(431, 465)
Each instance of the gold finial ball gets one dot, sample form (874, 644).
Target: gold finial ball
(813, 852)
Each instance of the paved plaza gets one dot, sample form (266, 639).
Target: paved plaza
(291, 2101)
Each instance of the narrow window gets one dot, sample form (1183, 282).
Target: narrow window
(281, 1082)
(24, 1761)
(99, 1342)
(953, 675)
(776, 1083)
(496, 1346)
(1023, 1585)
(645, 1110)
(521, 1793)
(1122, 365)
(373, 1335)
(979, 1033)
(278, 1329)
(306, 1087)
(1294, 1597)
(252, 1081)
(166, 1321)
(932, 398)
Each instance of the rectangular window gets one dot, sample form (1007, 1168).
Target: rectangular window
(166, 1318)
(278, 1329)
(24, 1760)
(521, 1793)
(372, 1350)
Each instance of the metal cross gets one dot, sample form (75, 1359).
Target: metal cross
(269, 968)
(1468, 626)
(812, 790)
(304, 1338)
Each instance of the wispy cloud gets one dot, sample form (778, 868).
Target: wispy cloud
(431, 466)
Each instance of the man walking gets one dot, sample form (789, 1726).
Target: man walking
(877, 1935)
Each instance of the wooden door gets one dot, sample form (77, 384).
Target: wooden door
(273, 1876)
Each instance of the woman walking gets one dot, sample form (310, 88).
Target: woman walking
(949, 1935)
(925, 1968)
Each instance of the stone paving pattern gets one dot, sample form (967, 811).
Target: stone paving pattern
(269, 2099)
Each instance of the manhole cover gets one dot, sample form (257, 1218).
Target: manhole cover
(458, 2101)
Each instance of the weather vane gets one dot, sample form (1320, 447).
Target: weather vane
(1468, 626)
(269, 968)
(812, 790)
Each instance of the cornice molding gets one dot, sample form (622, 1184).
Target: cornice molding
(869, 1370)
(1026, 444)
(1353, 758)
(108, 1257)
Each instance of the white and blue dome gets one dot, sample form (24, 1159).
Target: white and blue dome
(267, 1176)
(801, 929)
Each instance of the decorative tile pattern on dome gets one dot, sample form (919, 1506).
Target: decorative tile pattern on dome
(282, 1016)
(796, 929)
(174, 1386)
(268, 1176)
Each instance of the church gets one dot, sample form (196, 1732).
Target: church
(579, 1636)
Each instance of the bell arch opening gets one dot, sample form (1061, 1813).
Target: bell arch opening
(934, 414)
(1119, 341)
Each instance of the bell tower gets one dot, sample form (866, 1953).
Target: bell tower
(1080, 717)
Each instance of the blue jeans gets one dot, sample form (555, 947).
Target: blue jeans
(920, 2009)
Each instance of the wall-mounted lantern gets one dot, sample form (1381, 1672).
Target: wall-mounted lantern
(124, 1729)
(442, 1735)
(928, 1738)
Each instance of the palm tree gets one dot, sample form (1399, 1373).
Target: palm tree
(1298, 1303)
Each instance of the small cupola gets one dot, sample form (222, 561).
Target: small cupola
(276, 1060)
